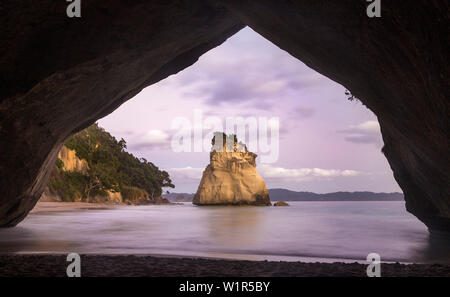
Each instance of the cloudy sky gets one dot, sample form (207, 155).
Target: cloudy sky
(326, 143)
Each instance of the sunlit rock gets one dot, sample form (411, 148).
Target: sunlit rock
(71, 162)
(280, 203)
(231, 177)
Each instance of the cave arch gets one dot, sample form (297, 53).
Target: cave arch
(60, 74)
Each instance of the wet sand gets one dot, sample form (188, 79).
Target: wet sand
(43, 206)
(151, 266)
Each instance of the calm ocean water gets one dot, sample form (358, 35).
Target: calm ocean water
(307, 231)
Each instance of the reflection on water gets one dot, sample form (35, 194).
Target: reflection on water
(316, 231)
(229, 225)
(435, 250)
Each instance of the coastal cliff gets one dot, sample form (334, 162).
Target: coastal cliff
(70, 161)
(93, 166)
(231, 177)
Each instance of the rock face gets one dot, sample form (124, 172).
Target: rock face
(280, 203)
(59, 75)
(231, 179)
(71, 162)
(111, 197)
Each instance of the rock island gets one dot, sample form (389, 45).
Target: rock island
(231, 177)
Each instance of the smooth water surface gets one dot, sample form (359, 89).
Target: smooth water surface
(311, 231)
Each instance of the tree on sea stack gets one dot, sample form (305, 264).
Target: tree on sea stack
(231, 177)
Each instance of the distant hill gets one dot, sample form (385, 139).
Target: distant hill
(288, 195)
(179, 197)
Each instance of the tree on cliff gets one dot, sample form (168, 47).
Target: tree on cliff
(110, 168)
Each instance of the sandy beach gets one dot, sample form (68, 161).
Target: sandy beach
(44, 206)
(150, 266)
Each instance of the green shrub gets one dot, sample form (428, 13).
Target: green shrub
(110, 167)
(133, 193)
(59, 163)
(69, 185)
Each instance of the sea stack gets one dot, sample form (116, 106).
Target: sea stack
(231, 177)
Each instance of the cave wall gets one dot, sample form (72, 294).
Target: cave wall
(397, 65)
(59, 75)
